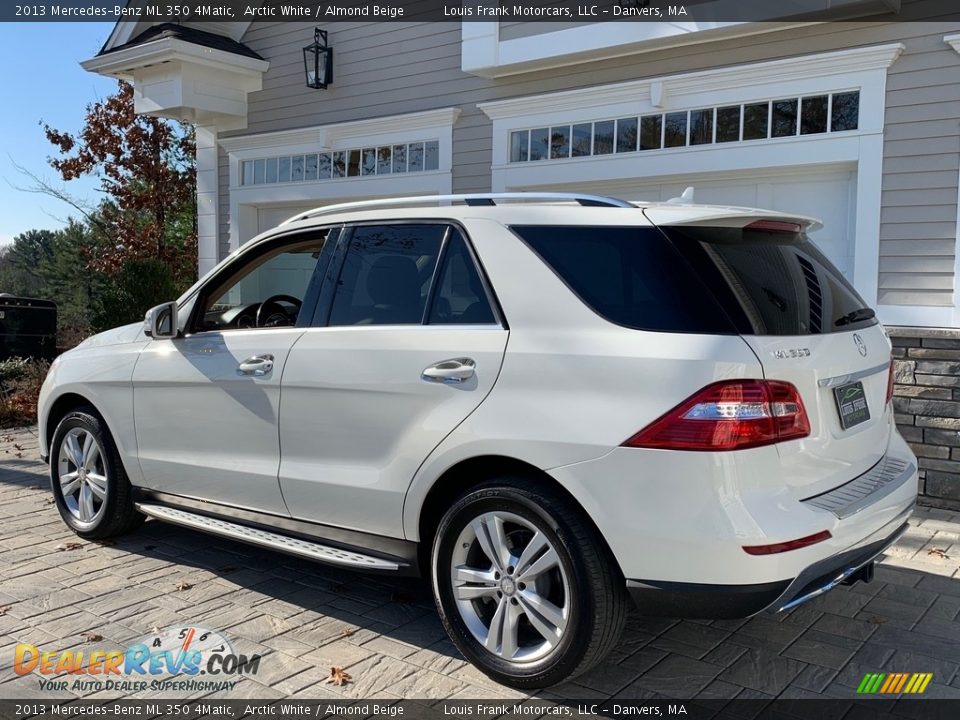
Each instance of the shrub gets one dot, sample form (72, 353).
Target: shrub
(13, 369)
(20, 381)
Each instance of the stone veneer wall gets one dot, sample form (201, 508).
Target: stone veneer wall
(926, 400)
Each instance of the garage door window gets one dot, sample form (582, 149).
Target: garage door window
(356, 162)
(775, 118)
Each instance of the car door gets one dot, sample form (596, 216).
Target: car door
(407, 342)
(206, 403)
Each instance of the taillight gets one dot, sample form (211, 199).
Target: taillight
(729, 415)
(890, 382)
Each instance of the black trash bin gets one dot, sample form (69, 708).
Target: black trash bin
(28, 327)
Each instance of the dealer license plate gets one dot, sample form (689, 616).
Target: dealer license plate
(851, 404)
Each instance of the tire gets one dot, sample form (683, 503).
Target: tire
(559, 586)
(90, 486)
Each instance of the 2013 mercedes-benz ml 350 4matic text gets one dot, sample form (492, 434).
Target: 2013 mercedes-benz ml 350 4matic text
(545, 404)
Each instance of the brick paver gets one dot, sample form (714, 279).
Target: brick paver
(304, 618)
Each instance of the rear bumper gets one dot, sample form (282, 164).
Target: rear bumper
(677, 523)
(694, 600)
(830, 572)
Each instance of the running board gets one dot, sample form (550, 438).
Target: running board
(271, 540)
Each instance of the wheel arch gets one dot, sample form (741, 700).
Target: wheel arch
(74, 398)
(65, 403)
(470, 472)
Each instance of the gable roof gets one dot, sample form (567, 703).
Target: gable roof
(186, 34)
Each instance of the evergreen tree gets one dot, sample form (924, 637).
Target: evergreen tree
(20, 263)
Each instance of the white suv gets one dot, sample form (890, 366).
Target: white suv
(542, 403)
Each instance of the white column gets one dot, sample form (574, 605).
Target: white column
(208, 225)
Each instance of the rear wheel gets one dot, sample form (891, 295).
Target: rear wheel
(525, 588)
(90, 486)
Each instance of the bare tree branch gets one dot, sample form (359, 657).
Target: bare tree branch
(43, 187)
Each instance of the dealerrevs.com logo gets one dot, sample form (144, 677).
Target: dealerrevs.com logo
(176, 659)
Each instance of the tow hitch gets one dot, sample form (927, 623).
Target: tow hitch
(864, 574)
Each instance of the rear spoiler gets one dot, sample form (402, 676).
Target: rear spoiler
(734, 217)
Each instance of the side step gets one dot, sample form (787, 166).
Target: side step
(273, 541)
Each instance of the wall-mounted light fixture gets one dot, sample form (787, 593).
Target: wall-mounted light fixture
(318, 61)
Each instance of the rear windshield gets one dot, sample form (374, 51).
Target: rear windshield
(772, 283)
(708, 280)
(632, 276)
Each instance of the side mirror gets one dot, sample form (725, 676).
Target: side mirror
(161, 321)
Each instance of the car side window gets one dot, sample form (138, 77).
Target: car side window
(265, 291)
(386, 275)
(460, 297)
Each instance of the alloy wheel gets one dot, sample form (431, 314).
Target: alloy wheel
(510, 587)
(82, 475)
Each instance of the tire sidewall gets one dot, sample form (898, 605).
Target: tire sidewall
(562, 659)
(92, 425)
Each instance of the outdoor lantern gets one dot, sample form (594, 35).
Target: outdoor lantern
(318, 61)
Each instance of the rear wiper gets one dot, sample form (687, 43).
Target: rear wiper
(855, 316)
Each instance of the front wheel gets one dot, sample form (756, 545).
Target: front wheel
(90, 486)
(525, 588)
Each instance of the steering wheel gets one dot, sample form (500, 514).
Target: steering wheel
(272, 314)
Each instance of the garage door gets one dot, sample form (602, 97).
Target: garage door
(269, 217)
(826, 194)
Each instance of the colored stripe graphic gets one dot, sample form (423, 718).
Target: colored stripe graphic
(891, 682)
(921, 685)
(894, 683)
(902, 680)
(915, 681)
(870, 683)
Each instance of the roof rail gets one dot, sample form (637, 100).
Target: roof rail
(473, 199)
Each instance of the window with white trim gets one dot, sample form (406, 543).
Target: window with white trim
(789, 117)
(411, 157)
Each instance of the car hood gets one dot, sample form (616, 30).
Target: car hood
(117, 336)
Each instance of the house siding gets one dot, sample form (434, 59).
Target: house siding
(223, 163)
(389, 69)
(920, 174)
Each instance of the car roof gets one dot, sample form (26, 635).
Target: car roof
(500, 205)
(521, 209)
(540, 208)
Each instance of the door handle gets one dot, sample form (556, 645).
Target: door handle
(450, 371)
(258, 365)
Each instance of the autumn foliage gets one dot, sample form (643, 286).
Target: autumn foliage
(146, 168)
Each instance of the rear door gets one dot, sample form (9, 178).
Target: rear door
(406, 343)
(807, 326)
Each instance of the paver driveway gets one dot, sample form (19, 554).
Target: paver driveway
(305, 618)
